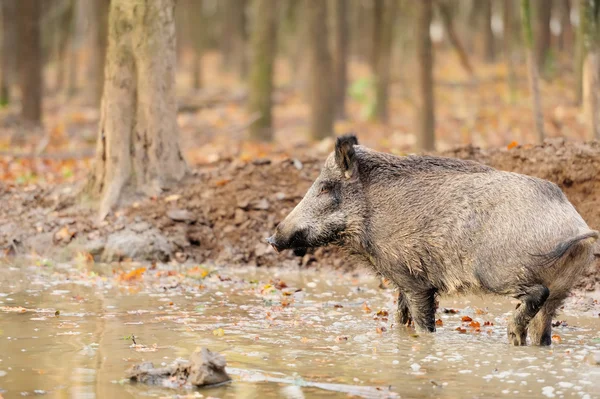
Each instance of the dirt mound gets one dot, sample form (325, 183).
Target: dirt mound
(224, 212)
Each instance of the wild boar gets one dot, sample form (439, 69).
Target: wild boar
(435, 225)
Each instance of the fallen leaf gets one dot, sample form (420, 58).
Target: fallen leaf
(439, 322)
(461, 330)
(380, 330)
(172, 198)
(512, 145)
(366, 308)
(556, 338)
(466, 319)
(133, 275)
(474, 324)
(219, 332)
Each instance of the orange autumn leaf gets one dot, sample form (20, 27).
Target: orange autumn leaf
(222, 182)
(512, 145)
(439, 322)
(466, 319)
(366, 308)
(135, 274)
(461, 330)
(556, 338)
(474, 324)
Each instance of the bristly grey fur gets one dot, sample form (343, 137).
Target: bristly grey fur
(436, 225)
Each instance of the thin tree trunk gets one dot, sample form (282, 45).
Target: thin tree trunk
(341, 56)
(30, 60)
(322, 96)
(383, 58)
(233, 36)
(533, 70)
(511, 78)
(426, 110)
(489, 46)
(8, 49)
(591, 34)
(63, 35)
(72, 57)
(197, 21)
(566, 36)
(260, 85)
(102, 8)
(138, 149)
(543, 35)
(448, 20)
(580, 52)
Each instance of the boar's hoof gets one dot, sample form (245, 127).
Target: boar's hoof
(517, 335)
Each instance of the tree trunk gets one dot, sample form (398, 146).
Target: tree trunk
(196, 21)
(138, 149)
(511, 77)
(533, 69)
(489, 46)
(63, 35)
(448, 20)
(102, 7)
(341, 57)
(566, 36)
(425, 111)
(233, 36)
(30, 60)
(542, 33)
(260, 85)
(580, 52)
(383, 57)
(322, 96)
(8, 49)
(590, 11)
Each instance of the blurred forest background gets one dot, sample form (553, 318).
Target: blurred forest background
(273, 77)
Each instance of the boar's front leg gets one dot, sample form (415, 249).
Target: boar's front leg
(532, 299)
(404, 317)
(422, 308)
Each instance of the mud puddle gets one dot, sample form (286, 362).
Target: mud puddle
(68, 330)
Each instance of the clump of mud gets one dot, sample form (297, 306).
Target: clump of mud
(223, 213)
(204, 368)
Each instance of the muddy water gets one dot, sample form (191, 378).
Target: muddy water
(315, 335)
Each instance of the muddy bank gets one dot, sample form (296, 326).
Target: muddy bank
(224, 211)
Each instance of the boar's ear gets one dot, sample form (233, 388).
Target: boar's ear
(344, 154)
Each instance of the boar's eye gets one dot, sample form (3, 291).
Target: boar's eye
(326, 188)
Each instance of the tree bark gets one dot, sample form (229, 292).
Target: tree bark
(233, 36)
(102, 8)
(137, 149)
(511, 78)
(542, 33)
(533, 70)
(383, 57)
(197, 21)
(322, 97)
(8, 49)
(579, 54)
(448, 21)
(260, 85)
(426, 110)
(30, 60)
(590, 11)
(489, 46)
(341, 57)
(566, 41)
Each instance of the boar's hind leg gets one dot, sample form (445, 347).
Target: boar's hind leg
(532, 299)
(422, 309)
(404, 317)
(540, 328)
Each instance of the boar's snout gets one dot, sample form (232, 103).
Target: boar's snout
(282, 239)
